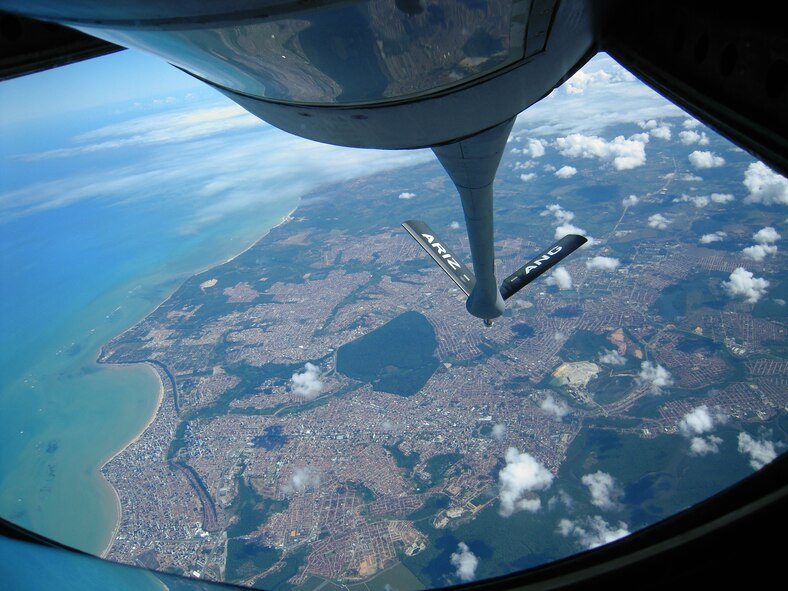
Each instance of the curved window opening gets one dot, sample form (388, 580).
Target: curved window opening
(289, 396)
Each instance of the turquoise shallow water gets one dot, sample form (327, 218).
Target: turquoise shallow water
(72, 277)
(64, 415)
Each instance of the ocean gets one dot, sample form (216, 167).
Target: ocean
(73, 275)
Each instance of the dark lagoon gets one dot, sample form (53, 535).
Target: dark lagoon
(399, 357)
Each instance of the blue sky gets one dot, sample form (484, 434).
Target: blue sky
(147, 131)
(125, 76)
(130, 127)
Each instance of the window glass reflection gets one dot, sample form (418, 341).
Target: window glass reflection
(354, 53)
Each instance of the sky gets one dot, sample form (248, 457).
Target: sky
(72, 88)
(146, 129)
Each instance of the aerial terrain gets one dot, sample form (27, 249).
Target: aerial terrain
(331, 416)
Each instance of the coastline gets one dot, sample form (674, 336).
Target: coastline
(99, 359)
(116, 453)
(287, 218)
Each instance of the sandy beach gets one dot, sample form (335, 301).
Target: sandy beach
(282, 222)
(151, 418)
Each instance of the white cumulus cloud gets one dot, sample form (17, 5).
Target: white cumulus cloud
(499, 431)
(690, 123)
(565, 172)
(560, 498)
(705, 159)
(696, 424)
(561, 215)
(612, 357)
(566, 229)
(620, 153)
(407, 195)
(554, 408)
(758, 252)
(702, 446)
(522, 474)
(690, 137)
(701, 420)
(465, 562)
(578, 83)
(722, 197)
(703, 200)
(761, 452)
(630, 201)
(561, 278)
(655, 129)
(765, 186)
(689, 178)
(696, 200)
(301, 480)
(661, 132)
(713, 237)
(656, 376)
(742, 283)
(534, 148)
(307, 383)
(528, 177)
(602, 263)
(605, 493)
(766, 235)
(658, 221)
(593, 531)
